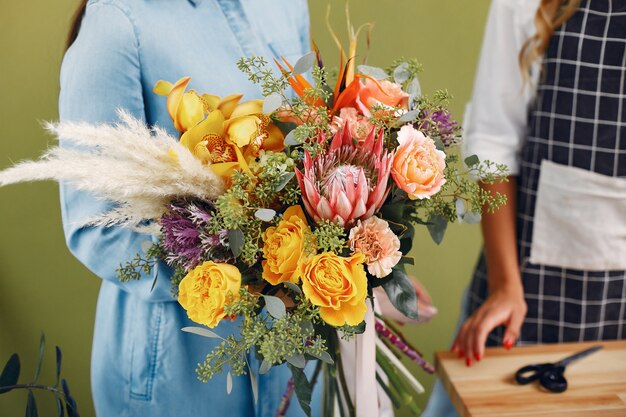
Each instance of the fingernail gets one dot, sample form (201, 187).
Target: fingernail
(508, 344)
(468, 361)
(461, 353)
(477, 357)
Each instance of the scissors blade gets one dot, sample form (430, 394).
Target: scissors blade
(579, 355)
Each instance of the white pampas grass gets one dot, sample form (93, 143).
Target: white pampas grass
(128, 164)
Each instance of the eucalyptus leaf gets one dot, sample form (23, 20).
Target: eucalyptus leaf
(393, 212)
(307, 327)
(254, 383)
(293, 287)
(42, 347)
(401, 293)
(414, 89)
(407, 260)
(290, 139)
(303, 389)
(59, 360)
(275, 306)
(284, 180)
(408, 117)
(10, 373)
(264, 214)
(31, 405)
(325, 357)
(472, 217)
(229, 383)
(272, 103)
(305, 63)
(374, 72)
(401, 74)
(460, 209)
(297, 360)
(265, 366)
(146, 245)
(201, 331)
(235, 241)
(439, 144)
(472, 160)
(437, 226)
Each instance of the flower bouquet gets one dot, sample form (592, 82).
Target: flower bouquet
(294, 214)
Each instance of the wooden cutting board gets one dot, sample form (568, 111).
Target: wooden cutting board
(596, 384)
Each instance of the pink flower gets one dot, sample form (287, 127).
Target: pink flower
(382, 93)
(381, 247)
(418, 166)
(358, 124)
(347, 182)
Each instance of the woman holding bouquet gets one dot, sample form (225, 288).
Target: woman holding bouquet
(553, 270)
(142, 363)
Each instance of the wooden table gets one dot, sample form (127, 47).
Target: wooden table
(596, 384)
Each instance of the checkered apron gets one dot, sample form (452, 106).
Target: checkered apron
(577, 119)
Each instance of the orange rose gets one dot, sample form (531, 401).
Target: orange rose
(285, 247)
(338, 286)
(206, 290)
(418, 166)
(381, 92)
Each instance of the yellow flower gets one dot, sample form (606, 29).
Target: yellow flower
(185, 108)
(207, 289)
(285, 247)
(338, 286)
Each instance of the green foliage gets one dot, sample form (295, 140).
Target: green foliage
(9, 378)
(133, 269)
(330, 237)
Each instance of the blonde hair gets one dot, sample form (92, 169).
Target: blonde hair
(549, 16)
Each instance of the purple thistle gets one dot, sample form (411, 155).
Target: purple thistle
(404, 347)
(439, 124)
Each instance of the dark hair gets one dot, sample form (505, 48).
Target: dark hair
(76, 20)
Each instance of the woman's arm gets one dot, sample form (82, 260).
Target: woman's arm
(101, 73)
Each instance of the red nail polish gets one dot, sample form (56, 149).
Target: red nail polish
(477, 357)
(468, 361)
(508, 344)
(461, 353)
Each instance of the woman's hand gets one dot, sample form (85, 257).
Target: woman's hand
(504, 306)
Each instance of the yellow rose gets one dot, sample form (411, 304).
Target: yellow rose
(285, 247)
(338, 286)
(206, 289)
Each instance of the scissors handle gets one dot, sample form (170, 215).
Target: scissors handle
(530, 373)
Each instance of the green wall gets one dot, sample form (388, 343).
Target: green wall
(43, 288)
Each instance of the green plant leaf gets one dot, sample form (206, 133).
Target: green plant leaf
(265, 366)
(437, 226)
(70, 402)
(272, 103)
(374, 72)
(235, 241)
(59, 360)
(31, 405)
(10, 373)
(229, 383)
(290, 139)
(284, 180)
(297, 360)
(393, 212)
(275, 306)
(402, 294)
(324, 357)
(264, 214)
(254, 383)
(201, 331)
(42, 347)
(59, 402)
(293, 287)
(472, 160)
(401, 74)
(305, 63)
(303, 389)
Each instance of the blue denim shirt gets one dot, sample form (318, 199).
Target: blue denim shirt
(142, 363)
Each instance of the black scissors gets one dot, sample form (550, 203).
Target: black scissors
(550, 375)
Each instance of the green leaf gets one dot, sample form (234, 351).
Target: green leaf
(407, 260)
(60, 412)
(264, 214)
(272, 103)
(229, 383)
(275, 306)
(459, 205)
(201, 331)
(472, 160)
(305, 63)
(235, 241)
(254, 383)
(31, 405)
(402, 294)
(265, 366)
(472, 217)
(293, 287)
(290, 139)
(59, 360)
(406, 240)
(401, 74)
(70, 403)
(414, 90)
(284, 180)
(439, 144)
(393, 212)
(437, 226)
(42, 347)
(358, 329)
(374, 72)
(297, 360)
(324, 357)
(10, 373)
(407, 117)
(303, 389)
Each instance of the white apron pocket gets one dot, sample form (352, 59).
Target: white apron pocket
(580, 220)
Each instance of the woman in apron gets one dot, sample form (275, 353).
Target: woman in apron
(553, 268)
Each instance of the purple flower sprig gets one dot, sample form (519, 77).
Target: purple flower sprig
(403, 346)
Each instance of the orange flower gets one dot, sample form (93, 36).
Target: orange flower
(285, 247)
(338, 286)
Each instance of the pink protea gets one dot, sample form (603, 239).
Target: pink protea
(349, 181)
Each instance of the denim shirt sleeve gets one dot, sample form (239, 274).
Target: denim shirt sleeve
(101, 72)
